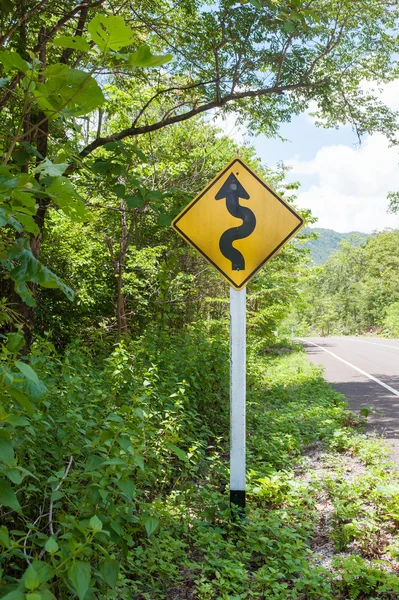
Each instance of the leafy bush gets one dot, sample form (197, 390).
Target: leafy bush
(391, 320)
(83, 468)
(114, 474)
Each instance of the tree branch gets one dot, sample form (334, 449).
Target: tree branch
(283, 56)
(24, 18)
(217, 67)
(65, 475)
(133, 131)
(17, 78)
(65, 19)
(166, 91)
(108, 242)
(78, 33)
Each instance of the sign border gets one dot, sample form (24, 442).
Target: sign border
(175, 221)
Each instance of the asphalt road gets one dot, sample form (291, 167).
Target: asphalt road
(366, 370)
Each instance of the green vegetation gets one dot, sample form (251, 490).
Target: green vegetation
(119, 479)
(114, 334)
(355, 290)
(327, 241)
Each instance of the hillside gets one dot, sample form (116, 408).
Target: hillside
(327, 242)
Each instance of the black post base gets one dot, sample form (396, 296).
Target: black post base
(237, 503)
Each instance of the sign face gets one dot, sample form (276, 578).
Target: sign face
(238, 223)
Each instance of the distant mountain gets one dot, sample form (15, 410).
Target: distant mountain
(327, 242)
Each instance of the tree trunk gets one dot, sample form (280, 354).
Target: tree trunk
(119, 268)
(41, 142)
(121, 307)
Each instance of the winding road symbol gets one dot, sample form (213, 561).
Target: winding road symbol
(232, 190)
(237, 223)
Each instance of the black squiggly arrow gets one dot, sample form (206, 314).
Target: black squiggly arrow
(232, 190)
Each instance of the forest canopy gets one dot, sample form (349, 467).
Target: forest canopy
(83, 84)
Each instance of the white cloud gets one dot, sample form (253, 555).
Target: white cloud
(345, 186)
(390, 94)
(350, 186)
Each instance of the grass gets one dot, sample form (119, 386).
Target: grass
(143, 513)
(272, 554)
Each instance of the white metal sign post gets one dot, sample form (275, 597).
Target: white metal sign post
(211, 224)
(237, 396)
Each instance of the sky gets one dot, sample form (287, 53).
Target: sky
(344, 184)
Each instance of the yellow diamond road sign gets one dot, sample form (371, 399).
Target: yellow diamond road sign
(238, 223)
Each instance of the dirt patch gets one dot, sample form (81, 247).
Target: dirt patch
(316, 468)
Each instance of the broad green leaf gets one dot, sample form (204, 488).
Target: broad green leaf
(164, 220)
(116, 146)
(179, 453)
(95, 524)
(115, 418)
(134, 201)
(75, 43)
(22, 399)
(32, 150)
(8, 219)
(56, 495)
(63, 192)
(15, 595)
(125, 443)
(94, 462)
(8, 497)
(120, 190)
(14, 475)
(154, 195)
(144, 58)
(28, 223)
(44, 571)
(12, 61)
(27, 371)
(114, 461)
(31, 578)
(24, 293)
(79, 575)
(20, 156)
(127, 487)
(48, 168)
(138, 459)
(41, 595)
(110, 571)
(150, 525)
(4, 537)
(6, 452)
(7, 6)
(294, 16)
(110, 33)
(15, 341)
(3, 81)
(289, 26)
(30, 269)
(101, 167)
(51, 546)
(70, 90)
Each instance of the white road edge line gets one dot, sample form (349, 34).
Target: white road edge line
(387, 387)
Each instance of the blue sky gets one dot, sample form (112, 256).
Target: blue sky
(344, 184)
(304, 140)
